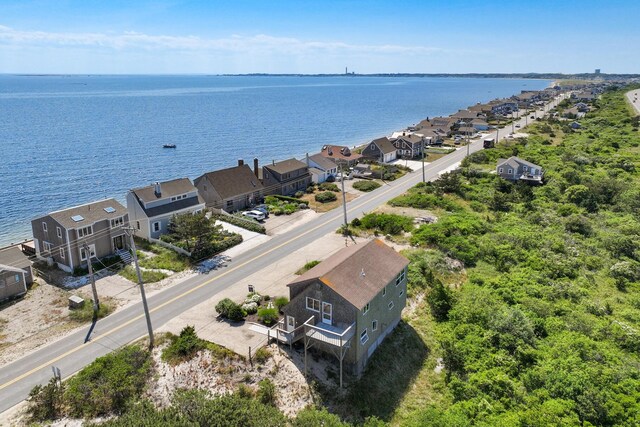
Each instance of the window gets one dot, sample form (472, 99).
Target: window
(156, 226)
(401, 293)
(500, 170)
(390, 305)
(229, 203)
(524, 168)
(44, 226)
(16, 278)
(510, 171)
(138, 225)
(365, 309)
(313, 304)
(47, 246)
(117, 222)
(85, 231)
(62, 253)
(384, 291)
(83, 253)
(400, 277)
(374, 325)
(364, 337)
(59, 232)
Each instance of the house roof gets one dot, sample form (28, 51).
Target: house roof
(286, 166)
(384, 145)
(339, 152)
(175, 187)
(515, 161)
(87, 214)
(12, 255)
(234, 181)
(8, 268)
(323, 162)
(411, 139)
(357, 273)
(174, 206)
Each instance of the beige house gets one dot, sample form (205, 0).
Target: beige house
(347, 304)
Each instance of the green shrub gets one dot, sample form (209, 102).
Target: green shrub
(230, 310)
(241, 222)
(183, 347)
(268, 316)
(148, 276)
(280, 302)
(108, 384)
(262, 355)
(387, 223)
(308, 266)
(46, 402)
(327, 186)
(326, 197)
(267, 392)
(85, 313)
(311, 417)
(366, 186)
(298, 194)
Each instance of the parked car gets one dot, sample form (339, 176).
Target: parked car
(257, 215)
(517, 126)
(263, 209)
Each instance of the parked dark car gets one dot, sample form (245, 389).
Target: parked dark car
(263, 209)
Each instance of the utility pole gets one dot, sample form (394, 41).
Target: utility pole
(344, 200)
(96, 302)
(423, 179)
(130, 231)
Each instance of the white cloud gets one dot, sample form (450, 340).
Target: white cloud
(234, 44)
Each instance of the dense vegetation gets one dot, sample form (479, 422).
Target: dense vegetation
(199, 235)
(366, 186)
(545, 329)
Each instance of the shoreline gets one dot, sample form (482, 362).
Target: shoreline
(351, 142)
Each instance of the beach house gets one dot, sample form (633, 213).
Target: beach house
(151, 207)
(347, 304)
(285, 177)
(341, 155)
(61, 237)
(13, 282)
(517, 169)
(320, 167)
(381, 150)
(231, 189)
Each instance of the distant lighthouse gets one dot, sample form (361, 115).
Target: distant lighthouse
(346, 70)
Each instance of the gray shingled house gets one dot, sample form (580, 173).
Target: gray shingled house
(231, 189)
(285, 177)
(151, 207)
(59, 237)
(517, 169)
(381, 150)
(347, 304)
(13, 282)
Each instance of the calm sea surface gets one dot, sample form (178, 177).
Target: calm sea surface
(68, 140)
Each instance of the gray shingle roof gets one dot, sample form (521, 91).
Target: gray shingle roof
(357, 273)
(175, 206)
(515, 161)
(175, 187)
(286, 166)
(384, 145)
(323, 162)
(90, 212)
(233, 181)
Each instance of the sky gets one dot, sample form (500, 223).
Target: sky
(321, 36)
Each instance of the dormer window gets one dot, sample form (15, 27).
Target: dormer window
(85, 231)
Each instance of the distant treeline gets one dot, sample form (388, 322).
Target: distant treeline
(545, 76)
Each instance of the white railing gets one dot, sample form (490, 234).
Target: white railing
(170, 246)
(330, 337)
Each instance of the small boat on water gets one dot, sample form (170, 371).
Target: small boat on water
(169, 146)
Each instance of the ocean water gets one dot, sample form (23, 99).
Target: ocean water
(68, 140)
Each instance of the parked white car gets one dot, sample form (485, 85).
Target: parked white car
(257, 215)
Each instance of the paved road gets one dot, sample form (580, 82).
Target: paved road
(634, 98)
(70, 353)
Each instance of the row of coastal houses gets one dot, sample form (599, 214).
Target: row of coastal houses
(69, 237)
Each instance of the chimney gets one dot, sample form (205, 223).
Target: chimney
(307, 159)
(240, 162)
(255, 166)
(273, 162)
(158, 190)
